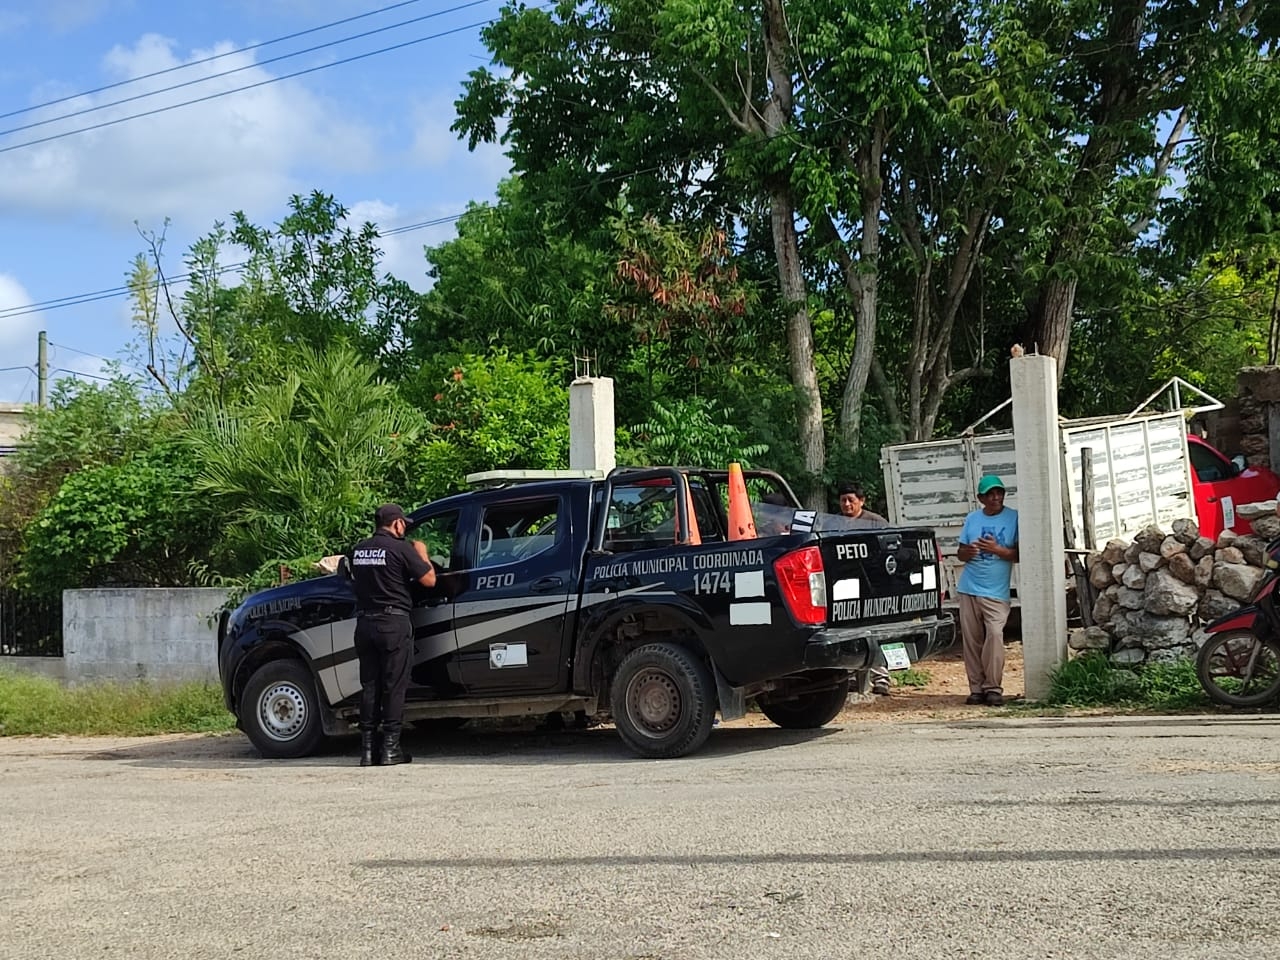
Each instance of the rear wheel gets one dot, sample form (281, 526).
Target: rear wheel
(663, 700)
(1239, 669)
(808, 710)
(279, 710)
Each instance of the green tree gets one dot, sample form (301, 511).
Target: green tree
(128, 523)
(313, 280)
(295, 468)
(715, 109)
(486, 412)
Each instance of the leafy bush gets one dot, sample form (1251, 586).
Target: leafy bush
(694, 432)
(1092, 680)
(39, 706)
(487, 412)
(131, 523)
(296, 468)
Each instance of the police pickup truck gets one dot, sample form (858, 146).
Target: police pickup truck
(595, 596)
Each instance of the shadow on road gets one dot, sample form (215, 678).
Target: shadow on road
(838, 859)
(491, 746)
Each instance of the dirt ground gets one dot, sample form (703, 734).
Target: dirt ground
(942, 698)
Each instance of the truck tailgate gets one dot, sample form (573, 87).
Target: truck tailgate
(880, 575)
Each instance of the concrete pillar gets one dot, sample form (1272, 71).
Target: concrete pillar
(591, 424)
(1042, 552)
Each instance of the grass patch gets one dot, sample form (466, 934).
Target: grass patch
(1092, 680)
(38, 706)
(911, 677)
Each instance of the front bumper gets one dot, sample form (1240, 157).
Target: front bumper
(855, 648)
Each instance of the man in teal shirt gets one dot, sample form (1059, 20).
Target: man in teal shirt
(989, 549)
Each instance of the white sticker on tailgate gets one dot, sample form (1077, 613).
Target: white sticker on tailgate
(846, 589)
(741, 614)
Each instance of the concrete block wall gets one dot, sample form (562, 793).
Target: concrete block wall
(166, 634)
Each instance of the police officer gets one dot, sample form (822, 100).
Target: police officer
(383, 567)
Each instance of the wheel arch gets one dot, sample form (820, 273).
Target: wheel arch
(270, 644)
(628, 625)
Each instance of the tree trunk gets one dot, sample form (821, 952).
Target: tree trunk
(804, 376)
(863, 279)
(1050, 332)
(777, 115)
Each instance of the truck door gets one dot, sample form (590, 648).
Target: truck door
(433, 610)
(512, 607)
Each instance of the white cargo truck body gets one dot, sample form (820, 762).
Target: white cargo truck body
(1141, 475)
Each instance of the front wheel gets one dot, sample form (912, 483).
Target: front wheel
(663, 700)
(279, 710)
(807, 711)
(1240, 669)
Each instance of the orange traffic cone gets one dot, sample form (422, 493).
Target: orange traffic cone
(695, 535)
(742, 526)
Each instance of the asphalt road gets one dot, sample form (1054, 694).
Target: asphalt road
(1141, 837)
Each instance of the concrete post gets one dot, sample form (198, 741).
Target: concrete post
(1038, 455)
(591, 424)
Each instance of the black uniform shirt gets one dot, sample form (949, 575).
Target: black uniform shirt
(382, 568)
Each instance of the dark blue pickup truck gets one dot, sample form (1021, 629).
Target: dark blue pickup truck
(588, 596)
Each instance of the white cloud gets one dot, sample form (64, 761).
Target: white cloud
(17, 342)
(195, 163)
(435, 146)
(402, 252)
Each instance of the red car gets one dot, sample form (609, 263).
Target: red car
(1220, 485)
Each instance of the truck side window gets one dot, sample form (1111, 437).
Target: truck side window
(440, 533)
(1209, 467)
(643, 515)
(512, 532)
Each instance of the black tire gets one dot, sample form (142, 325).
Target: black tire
(663, 701)
(280, 712)
(1239, 669)
(808, 711)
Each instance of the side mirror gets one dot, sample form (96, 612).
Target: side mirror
(1239, 463)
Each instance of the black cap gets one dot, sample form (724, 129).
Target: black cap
(388, 514)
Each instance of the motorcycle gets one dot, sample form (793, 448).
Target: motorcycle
(1239, 664)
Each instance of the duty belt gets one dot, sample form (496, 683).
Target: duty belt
(382, 611)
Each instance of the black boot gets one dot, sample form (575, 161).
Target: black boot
(370, 749)
(392, 752)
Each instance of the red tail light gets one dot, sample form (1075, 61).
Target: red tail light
(803, 584)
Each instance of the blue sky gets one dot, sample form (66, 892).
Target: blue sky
(375, 133)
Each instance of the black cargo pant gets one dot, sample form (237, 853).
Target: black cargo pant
(384, 644)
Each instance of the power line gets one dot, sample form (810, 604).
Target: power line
(81, 373)
(78, 299)
(240, 69)
(250, 86)
(210, 59)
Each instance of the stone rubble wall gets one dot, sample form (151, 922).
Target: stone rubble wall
(1154, 594)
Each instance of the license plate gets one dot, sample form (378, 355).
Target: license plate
(896, 656)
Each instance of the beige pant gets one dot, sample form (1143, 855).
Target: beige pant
(982, 623)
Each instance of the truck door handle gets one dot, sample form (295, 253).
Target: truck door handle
(1213, 500)
(547, 584)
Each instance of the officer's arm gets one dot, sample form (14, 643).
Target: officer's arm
(428, 579)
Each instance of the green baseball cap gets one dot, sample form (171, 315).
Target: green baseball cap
(988, 483)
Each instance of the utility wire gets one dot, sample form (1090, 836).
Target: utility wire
(240, 69)
(210, 59)
(94, 296)
(250, 86)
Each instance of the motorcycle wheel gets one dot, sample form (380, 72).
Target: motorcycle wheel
(1239, 669)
